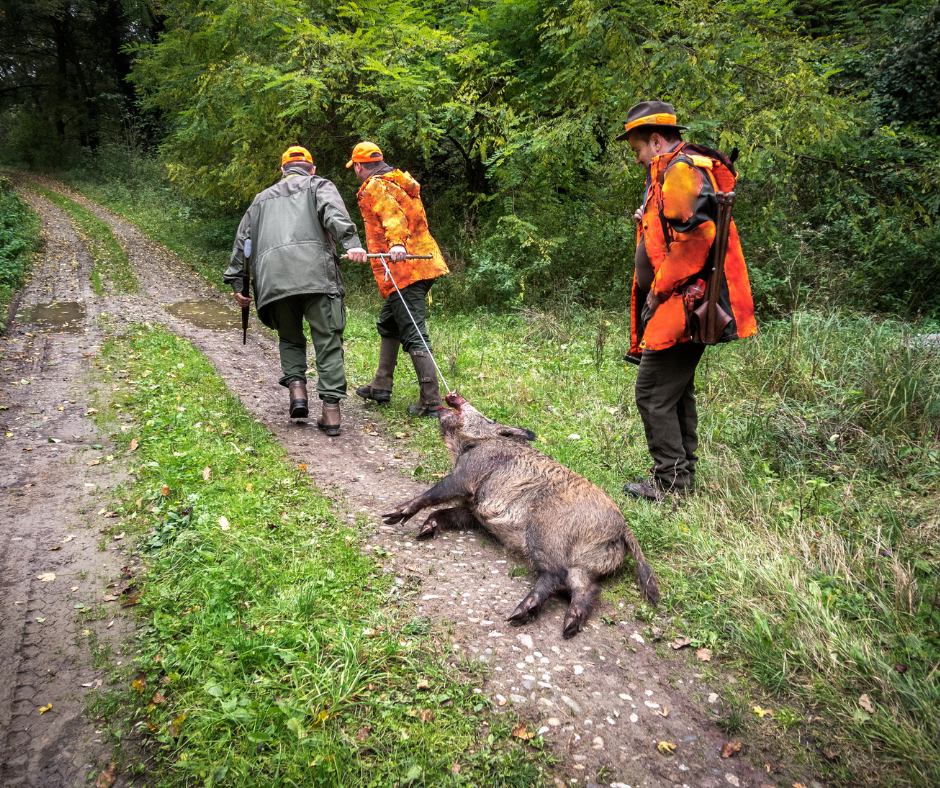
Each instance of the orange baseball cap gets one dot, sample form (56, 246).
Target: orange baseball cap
(365, 152)
(296, 153)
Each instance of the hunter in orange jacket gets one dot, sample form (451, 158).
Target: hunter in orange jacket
(390, 201)
(676, 228)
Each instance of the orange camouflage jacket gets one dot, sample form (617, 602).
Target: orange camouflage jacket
(394, 215)
(678, 227)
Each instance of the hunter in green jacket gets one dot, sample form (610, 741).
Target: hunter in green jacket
(294, 227)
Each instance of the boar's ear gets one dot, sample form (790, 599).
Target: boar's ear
(515, 432)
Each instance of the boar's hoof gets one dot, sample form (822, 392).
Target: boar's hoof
(527, 611)
(400, 515)
(430, 528)
(574, 622)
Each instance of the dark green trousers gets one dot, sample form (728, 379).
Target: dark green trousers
(394, 322)
(665, 397)
(326, 317)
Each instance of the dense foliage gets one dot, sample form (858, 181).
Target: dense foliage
(19, 238)
(506, 112)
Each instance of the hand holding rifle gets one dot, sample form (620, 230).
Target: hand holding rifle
(396, 254)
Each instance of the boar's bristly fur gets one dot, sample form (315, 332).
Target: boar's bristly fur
(572, 531)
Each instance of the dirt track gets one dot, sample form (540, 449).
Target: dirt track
(599, 699)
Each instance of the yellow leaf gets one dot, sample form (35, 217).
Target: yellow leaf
(665, 747)
(763, 712)
(44, 709)
(521, 733)
(55, 547)
(223, 523)
(165, 490)
(423, 684)
(139, 685)
(46, 577)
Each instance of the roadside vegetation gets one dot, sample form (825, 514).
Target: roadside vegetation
(110, 259)
(270, 651)
(19, 241)
(808, 560)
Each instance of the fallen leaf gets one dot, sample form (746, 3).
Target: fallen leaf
(521, 733)
(425, 715)
(165, 490)
(730, 748)
(206, 473)
(798, 785)
(763, 712)
(865, 703)
(44, 709)
(900, 668)
(704, 655)
(680, 643)
(176, 726)
(95, 462)
(223, 523)
(455, 768)
(362, 734)
(132, 600)
(140, 685)
(637, 637)
(664, 712)
(40, 620)
(118, 537)
(68, 538)
(110, 598)
(157, 698)
(46, 577)
(665, 747)
(102, 511)
(301, 467)
(423, 684)
(134, 444)
(107, 777)
(56, 547)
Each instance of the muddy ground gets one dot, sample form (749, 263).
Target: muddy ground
(602, 700)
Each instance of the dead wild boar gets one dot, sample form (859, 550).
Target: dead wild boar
(571, 530)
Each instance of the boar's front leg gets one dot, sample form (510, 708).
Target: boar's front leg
(456, 519)
(447, 490)
(548, 584)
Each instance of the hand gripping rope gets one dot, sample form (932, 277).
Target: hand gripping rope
(388, 276)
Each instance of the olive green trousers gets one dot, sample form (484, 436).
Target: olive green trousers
(326, 316)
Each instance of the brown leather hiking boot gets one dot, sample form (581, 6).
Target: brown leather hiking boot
(430, 399)
(380, 389)
(329, 419)
(298, 399)
(652, 491)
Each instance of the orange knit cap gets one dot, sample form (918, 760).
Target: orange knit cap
(365, 152)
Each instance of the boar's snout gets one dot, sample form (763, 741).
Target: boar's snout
(455, 400)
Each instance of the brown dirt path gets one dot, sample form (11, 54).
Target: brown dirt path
(48, 498)
(599, 699)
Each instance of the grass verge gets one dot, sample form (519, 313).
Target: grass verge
(808, 560)
(19, 241)
(270, 651)
(109, 256)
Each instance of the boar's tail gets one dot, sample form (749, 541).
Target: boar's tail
(648, 585)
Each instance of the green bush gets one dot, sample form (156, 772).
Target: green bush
(19, 239)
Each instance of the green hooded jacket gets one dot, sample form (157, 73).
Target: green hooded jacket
(294, 226)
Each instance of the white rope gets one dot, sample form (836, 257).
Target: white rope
(388, 273)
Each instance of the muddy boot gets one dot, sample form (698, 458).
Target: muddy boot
(380, 389)
(329, 419)
(430, 399)
(298, 399)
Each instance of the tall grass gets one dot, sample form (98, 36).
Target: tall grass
(808, 556)
(19, 240)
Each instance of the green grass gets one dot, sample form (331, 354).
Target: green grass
(285, 657)
(110, 259)
(19, 241)
(808, 560)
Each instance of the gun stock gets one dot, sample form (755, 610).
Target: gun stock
(712, 319)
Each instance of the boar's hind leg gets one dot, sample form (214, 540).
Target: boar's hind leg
(456, 519)
(584, 592)
(548, 584)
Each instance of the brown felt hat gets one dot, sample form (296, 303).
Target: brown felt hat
(650, 113)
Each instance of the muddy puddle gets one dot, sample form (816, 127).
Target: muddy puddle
(68, 316)
(206, 314)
